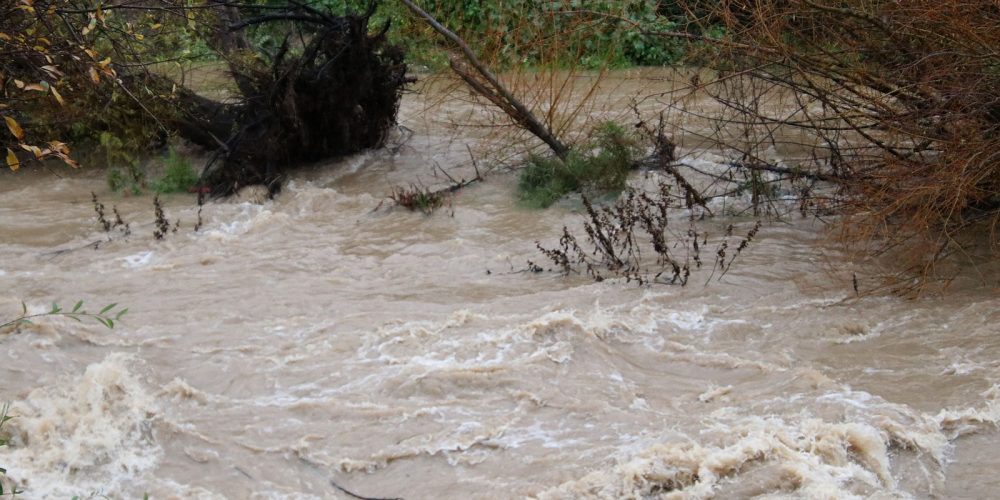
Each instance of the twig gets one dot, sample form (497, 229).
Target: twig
(355, 495)
(55, 253)
(245, 473)
(446, 174)
(475, 164)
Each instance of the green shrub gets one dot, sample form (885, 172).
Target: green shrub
(178, 175)
(592, 33)
(597, 167)
(125, 174)
(126, 180)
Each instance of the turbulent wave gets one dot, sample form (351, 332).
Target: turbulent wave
(89, 435)
(803, 457)
(324, 336)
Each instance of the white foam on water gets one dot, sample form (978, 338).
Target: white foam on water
(807, 456)
(714, 392)
(821, 458)
(138, 260)
(249, 217)
(536, 432)
(89, 435)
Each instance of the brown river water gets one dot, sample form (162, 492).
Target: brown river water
(322, 339)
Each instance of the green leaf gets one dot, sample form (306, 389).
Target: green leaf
(108, 307)
(55, 308)
(75, 317)
(78, 306)
(24, 309)
(120, 314)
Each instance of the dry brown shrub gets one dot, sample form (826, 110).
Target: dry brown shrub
(897, 103)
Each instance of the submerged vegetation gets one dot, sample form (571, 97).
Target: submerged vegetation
(129, 177)
(617, 235)
(179, 176)
(598, 167)
(108, 225)
(119, 227)
(107, 316)
(416, 198)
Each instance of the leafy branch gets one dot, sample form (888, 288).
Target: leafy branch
(107, 316)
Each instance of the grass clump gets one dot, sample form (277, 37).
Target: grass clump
(416, 198)
(179, 176)
(127, 176)
(598, 167)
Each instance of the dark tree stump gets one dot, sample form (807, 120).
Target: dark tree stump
(334, 95)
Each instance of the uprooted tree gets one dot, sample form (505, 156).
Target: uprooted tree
(337, 94)
(330, 87)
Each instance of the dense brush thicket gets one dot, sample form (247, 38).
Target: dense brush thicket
(899, 103)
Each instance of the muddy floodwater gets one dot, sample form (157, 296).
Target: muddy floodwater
(324, 340)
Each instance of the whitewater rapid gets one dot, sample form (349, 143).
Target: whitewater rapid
(325, 338)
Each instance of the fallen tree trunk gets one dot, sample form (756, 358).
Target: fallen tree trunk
(334, 92)
(485, 83)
